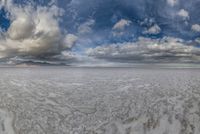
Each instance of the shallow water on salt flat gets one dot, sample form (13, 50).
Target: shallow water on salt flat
(61, 100)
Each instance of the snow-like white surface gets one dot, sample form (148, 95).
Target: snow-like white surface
(62, 100)
(6, 122)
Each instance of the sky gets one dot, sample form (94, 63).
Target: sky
(91, 32)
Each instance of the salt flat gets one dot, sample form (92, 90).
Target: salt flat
(61, 100)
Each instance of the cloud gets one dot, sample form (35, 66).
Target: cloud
(172, 2)
(196, 27)
(184, 14)
(163, 50)
(34, 32)
(69, 41)
(85, 28)
(43, 29)
(120, 25)
(197, 40)
(155, 29)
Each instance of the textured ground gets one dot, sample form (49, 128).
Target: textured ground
(99, 101)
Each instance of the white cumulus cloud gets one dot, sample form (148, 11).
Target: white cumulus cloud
(120, 25)
(155, 29)
(172, 2)
(184, 14)
(196, 27)
(85, 28)
(34, 32)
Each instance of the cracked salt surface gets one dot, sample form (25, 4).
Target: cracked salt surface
(62, 100)
(6, 122)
